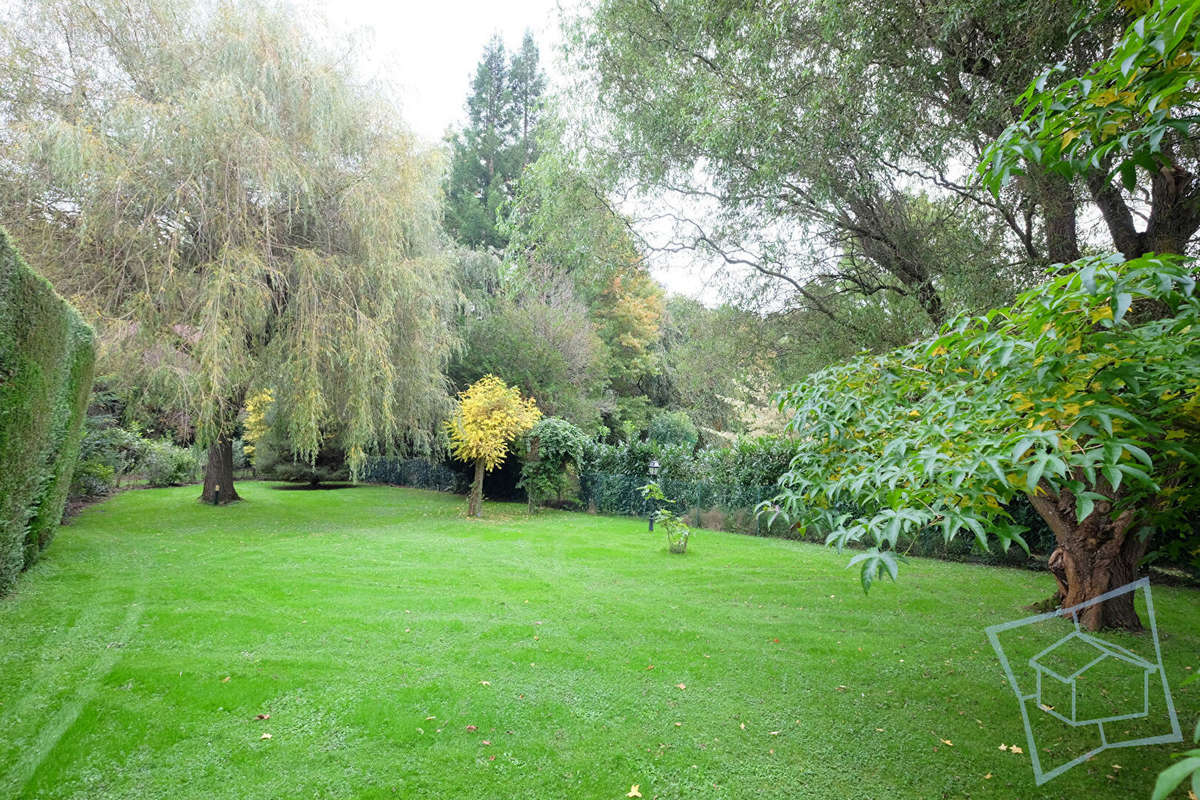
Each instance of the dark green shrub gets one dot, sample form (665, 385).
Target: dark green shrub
(167, 465)
(673, 427)
(549, 450)
(46, 360)
(107, 453)
(275, 459)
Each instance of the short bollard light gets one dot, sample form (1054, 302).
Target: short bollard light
(217, 495)
(653, 467)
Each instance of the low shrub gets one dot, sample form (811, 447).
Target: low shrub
(168, 465)
(673, 525)
(107, 453)
(549, 451)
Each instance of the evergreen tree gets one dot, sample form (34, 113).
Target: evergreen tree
(497, 143)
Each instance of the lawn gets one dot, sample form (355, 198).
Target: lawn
(402, 650)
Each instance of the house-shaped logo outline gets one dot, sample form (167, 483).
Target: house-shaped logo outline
(1024, 700)
(1104, 651)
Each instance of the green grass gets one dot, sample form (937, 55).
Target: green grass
(375, 625)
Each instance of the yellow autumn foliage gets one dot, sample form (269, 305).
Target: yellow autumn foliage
(254, 427)
(490, 414)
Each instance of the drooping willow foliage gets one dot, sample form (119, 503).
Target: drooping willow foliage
(237, 210)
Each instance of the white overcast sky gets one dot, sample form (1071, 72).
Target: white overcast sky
(428, 52)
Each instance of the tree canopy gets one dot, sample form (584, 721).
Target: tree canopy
(1085, 396)
(490, 415)
(504, 110)
(238, 208)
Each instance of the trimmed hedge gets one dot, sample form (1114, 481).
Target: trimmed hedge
(47, 354)
(414, 472)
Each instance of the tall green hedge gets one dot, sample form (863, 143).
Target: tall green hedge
(47, 354)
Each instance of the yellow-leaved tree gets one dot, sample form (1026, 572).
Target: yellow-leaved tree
(254, 426)
(490, 414)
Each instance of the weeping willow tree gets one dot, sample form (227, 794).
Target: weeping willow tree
(236, 210)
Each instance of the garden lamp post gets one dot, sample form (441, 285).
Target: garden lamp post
(653, 467)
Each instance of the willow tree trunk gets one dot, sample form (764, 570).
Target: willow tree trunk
(475, 503)
(1093, 556)
(218, 476)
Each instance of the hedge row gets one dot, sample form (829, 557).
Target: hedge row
(414, 472)
(47, 354)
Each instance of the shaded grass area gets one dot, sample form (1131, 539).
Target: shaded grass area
(375, 626)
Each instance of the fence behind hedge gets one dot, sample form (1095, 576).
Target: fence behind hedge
(414, 472)
(47, 355)
(706, 503)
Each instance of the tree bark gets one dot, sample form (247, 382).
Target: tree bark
(1093, 556)
(475, 503)
(1174, 212)
(1058, 207)
(219, 473)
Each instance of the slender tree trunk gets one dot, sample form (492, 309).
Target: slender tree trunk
(1093, 556)
(475, 503)
(1058, 206)
(219, 473)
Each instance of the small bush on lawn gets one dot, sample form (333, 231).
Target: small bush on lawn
(668, 521)
(168, 465)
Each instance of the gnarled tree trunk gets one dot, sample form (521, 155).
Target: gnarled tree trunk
(219, 473)
(475, 504)
(1093, 556)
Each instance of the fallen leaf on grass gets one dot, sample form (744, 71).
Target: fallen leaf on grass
(226, 679)
(262, 716)
(1015, 749)
(634, 791)
(680, 686)
(485, 683)
(987, 777)
(472, 728)
(742, 725)
(486, 743)
(651, 666)
(946, 742)
(1003, 747)
(429, 718)
(678, 724)
(774, 733)
(265, 736)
